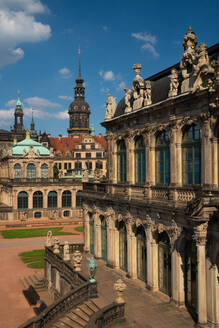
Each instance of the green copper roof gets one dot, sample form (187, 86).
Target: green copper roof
(18, 103)
(92, 130)
(18, 149)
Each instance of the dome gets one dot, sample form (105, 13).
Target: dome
(24, 146)
(79, 105)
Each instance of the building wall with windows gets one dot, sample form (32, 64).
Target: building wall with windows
(156, 218)
(29, 188)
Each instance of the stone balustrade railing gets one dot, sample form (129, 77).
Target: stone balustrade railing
(112, 313)
(182, 194)
(24, 181)
(62, 305)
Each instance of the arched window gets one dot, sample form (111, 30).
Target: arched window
(52, 199)
(22, 200)
(191, 156)
(78, 199)
(66, 198)
(44, 171)
(17, 171)
(121, 161)
(38, 199)
(31, 172)
(162, 157)
(139, 160)
(99, 165)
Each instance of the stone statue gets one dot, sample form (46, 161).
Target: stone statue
(138, 88)
(98, 173)
(49, 238)
(147, 94)
(56, 246)
(85, 177)
(174, 83)
(128, 94)
(66, 253)
(110, 107)
(203, 72)
(76, 261)
(188, 60)
(119, 287)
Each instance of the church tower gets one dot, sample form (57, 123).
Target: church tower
(18, 129)
(79, 110)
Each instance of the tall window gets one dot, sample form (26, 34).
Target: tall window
(139, 160)
(78, 165)
(44, 171)
(78, 199)
(191, 156)
(38, 199)
(66, 198)
(31, 171)
(52, 199)
(17, 171)
(162, 156)
(22, 200)
(121, 161)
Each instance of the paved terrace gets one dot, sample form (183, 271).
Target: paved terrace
(144, 309)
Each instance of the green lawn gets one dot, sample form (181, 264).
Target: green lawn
(79, 229)
(38, 232)
(35, 258)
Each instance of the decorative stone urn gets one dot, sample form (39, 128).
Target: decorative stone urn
(119, 287)
(56, 246)
(92, 267)
(66, 253)
(76, 261)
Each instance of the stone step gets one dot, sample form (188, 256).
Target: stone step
(83, 315)
(68, 322)
(100, 302)
(76, 318)
(92, 306)
(84, 308)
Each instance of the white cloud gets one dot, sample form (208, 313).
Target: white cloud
(18, 25)
(6, 116)
(65, 73)
(11, 103)
(40, 102)
(105, 28)
(121, 85)
(62, 115)
(149, 42)
(65, 97)
(150, 47)
(30, 6)
(147, 37)
(107, 75)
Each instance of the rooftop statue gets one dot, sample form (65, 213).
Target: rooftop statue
(128, 94)
(138, 88)
(174, 83)
(147, 93)
(110, 107)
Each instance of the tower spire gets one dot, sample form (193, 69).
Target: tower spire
(79, 64)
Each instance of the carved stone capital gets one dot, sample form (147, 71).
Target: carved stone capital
(200, 234)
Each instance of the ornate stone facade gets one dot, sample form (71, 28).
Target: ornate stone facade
(156, 217)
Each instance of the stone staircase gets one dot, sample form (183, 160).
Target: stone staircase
(80, 316)
(36, 280)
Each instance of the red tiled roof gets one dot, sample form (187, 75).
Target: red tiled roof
(64, 144)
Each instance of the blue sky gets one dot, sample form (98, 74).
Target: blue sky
(39, 41)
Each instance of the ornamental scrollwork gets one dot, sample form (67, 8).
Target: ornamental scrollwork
(200, 234)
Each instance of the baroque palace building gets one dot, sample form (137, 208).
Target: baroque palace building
(156, 217)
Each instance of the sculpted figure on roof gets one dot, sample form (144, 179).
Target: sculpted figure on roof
(174, 83)
(138, 88)
(128, 94)
(147, 93)
(110, 107)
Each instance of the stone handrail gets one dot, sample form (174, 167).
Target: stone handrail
(39, 180)
(104, 317)
(62, 305)
(65, 268)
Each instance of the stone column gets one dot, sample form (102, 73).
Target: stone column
(86, 230)
(147, 158)
(173, 173)
(73, 198)
(212, 293)
(97, 241)
(59, 203)
(149, 257)
(200, 233)
(45, 200)
(152, 160)
(30, 198)
(115, 247)
(113, 162)
(110, 255)
(154, 265)
(177, 279)
(214, 147)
